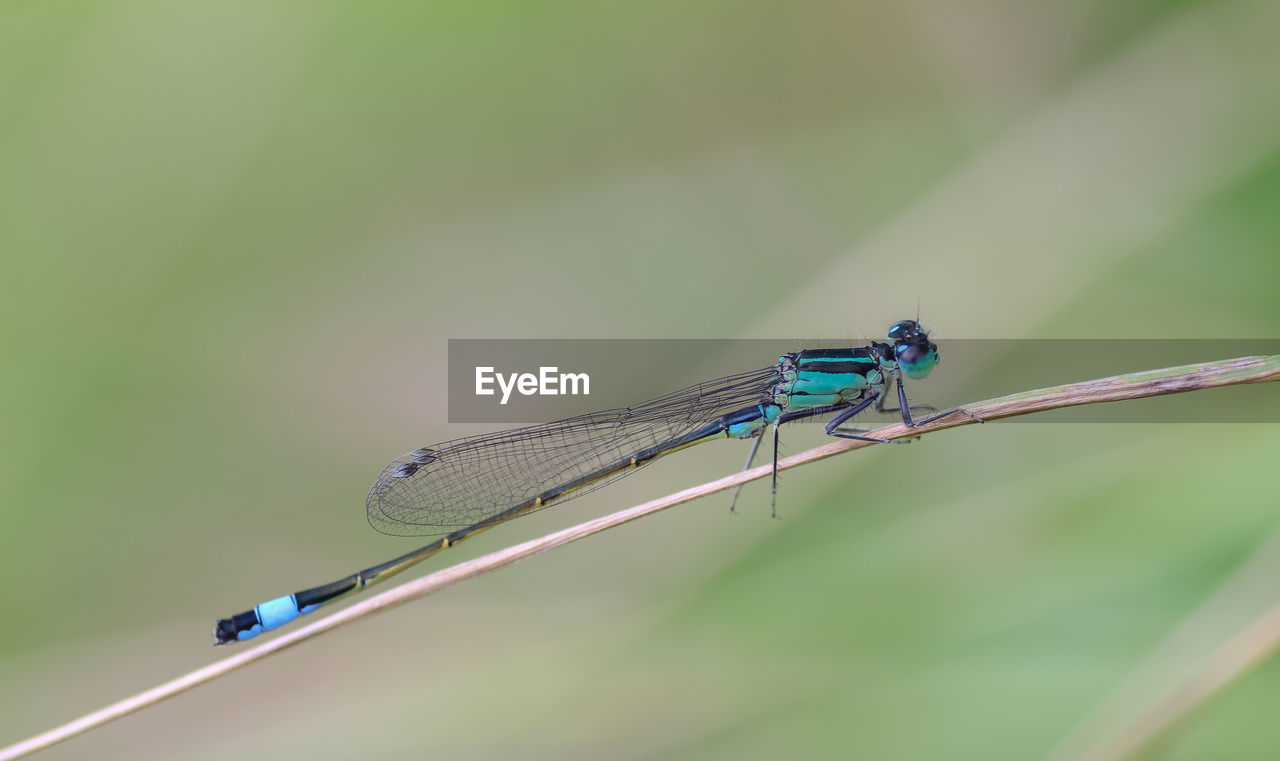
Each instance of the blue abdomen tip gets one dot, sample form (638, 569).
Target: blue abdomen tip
(277, 612)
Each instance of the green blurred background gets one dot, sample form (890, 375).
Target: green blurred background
(237, 236)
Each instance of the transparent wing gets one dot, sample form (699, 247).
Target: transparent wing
(456, 484)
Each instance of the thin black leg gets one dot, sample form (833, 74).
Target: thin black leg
(948, 413)
(773, 509)
(833, 425)
(905, 409)
(881, 408)
(755, 447)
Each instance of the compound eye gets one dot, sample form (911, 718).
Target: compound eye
(916, 361)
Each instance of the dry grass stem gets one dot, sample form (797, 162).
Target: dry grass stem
(1131, 386)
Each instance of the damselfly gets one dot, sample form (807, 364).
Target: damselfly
(462, 487)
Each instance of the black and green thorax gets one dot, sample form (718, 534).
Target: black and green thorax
(832, 377)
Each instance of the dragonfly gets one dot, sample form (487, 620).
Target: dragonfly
(458, 488)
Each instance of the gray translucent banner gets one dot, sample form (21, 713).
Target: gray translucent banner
(626, 372)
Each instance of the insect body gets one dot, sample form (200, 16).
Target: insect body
(459, 488)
